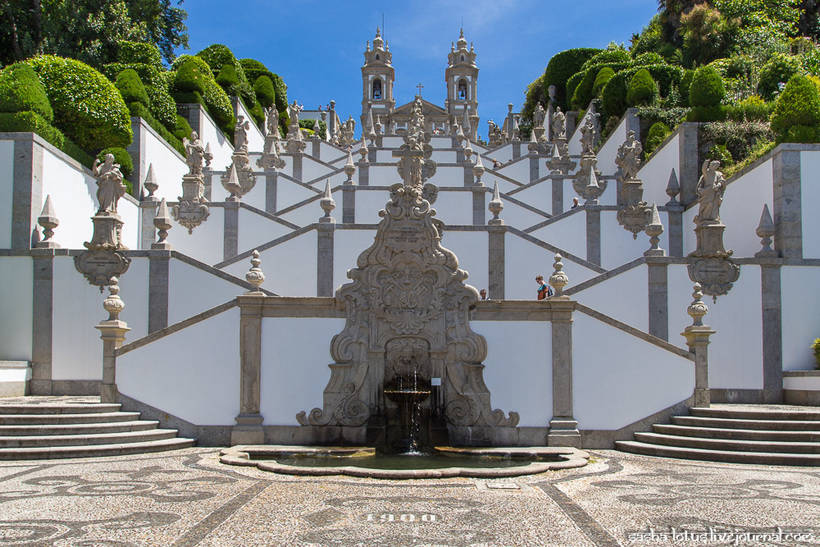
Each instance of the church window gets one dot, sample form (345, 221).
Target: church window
(462, 90)
(377, 89)
(377, 56)
(462, 58)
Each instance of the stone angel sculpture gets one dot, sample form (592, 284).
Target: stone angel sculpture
(110, 187)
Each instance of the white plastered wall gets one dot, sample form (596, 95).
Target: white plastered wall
(799, 290)
(179, 372)
(519, 169)
(655, 173)
(169, 167)
(192, 291)
(619, 379)
(454, 207)
(289, 193)
(255, 229)
(347, 246)
(221, 147)
(312, 211)
(810, 198)
(256, 140)
(295, 358)
(741, 208)
(568, 233)
(608, 297)
(205, 243)
(520, 380)
(516, 215)
(368, 205)
(471, 249)
(618, 245)
(74, 196)
(6, 191)
(609, 150)
(16, 308)
(312, 169)
(538, 195)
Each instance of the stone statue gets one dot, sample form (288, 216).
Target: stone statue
(588, 136)
(240, 134)
(629, 157)
(293, 112)
(110, 187)
(194, 154)
(538, 116)
(710, 189)
(272, 119)
(559, 124)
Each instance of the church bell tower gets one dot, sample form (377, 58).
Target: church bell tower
(377, 80)
(462, 79)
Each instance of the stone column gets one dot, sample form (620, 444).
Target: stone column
(593, 233)
(297, 166)
(557, 194)
(563, 428)
(469, 179)
(27, 191)
(112, 333)
(534, 157)
(41, 331)
(148, 210)
(787, 207)
(364, 173)
(688, 168)
(772, 331)
(479, 207)
(248, 428)
(674, 215)
(516, 150)
(271, 187)
(158, 280)
(496, 266)
(697, 338)
(324, 258)
(230, 246)
(316, 147)
(658, 298)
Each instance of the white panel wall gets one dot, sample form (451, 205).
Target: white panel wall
(254, 230)
(311, 212)
(501, 154)
(206, 242)
(347, 246)
(192, 291)
(311, 169)
(538, 195)
(295, 357)
(6, 191)
(799, 289)
(519, 169)
(609, 296)
(569, 233)
(221, 147)
(655, 173)
(736, 351)
(192, 374)
(515, 215)
(74, 196)
(618, 245)
(489, 180)
(520, 380)
(289, 193)
(619, 379)
(130, 214)
(368, 205)
(688, 226)
(741, 209)
(810, 198)
(525, 260)
(256, 140)
(438, 156)
(169, 167)
(471, 249)
(15, 307)
(290, 267)
(454, 207)
(609, 150)
(381, 175)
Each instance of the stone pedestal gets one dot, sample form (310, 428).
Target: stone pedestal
(710, 264)
(112, 333)
(697, 338)
(248, 428)
(563, 426)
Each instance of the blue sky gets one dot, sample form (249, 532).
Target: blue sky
(316, 46)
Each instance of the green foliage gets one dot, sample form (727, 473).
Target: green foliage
(601, 80)
(707, 34)
(685, 84)
(561, 67)
(194, 82)
(610, 55)
(738, 138)
(776, 71)
(170, 137)
(253, 69)
(228, 79)
(759, 150)
(707, 113)
(219, 56)
(763, 26)
(642, 89)
(156, 83)
(29, 120)
(649, 58)
(657, 134)
(121, 156)
(815, 348)
(650, 38)
(139, 53)
(131, 88)
(796, 116)
(87, 107)
(582, 94)
(572, 85)
(308, 124)
(182, 129)
(706, 88)
(751, 108)
(21, 90)
(720, 153)
(192, 74)
(669, 116)
(265, 93)
(613, 98)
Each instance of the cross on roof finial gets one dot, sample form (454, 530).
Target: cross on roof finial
(420, 88)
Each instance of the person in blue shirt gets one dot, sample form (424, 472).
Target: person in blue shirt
(544, 290)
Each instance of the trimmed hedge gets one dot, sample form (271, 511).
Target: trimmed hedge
(141, 111)
(28, 120)
(139, 53)
(613, 98)
(796, 116)
(87, 106)
(649, 58)
(715, 113)
(194, 83)
(308, 124)
(182, 129)
(706, 88)
(752, 108)
(657, 134)
(122, 157)
(601, 79)
(253, 69)
(561, 67)
(642, 89)
(607, 56)
(156, 83)
(21, 90)
(582, 94)
(685, 84)
(779, 69)
(131, 88)
(265, 93)
(218, 56)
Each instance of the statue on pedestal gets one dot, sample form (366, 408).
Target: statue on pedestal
(110, 187)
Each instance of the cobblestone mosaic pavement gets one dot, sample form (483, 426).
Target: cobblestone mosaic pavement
(188, 498)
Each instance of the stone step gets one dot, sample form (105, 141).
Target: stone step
(78, 429)
(729, 444)
(49, 452)
(778, 458)
(89, 408)
(48, 419)
(732, 423)
(758, 413)
(738, 434)
(18, 441)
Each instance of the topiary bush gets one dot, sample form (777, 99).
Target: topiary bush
(265, 93)
(218, 56)
(254, 69)
(228, 79)
(607, 56)
(21, 90)
(121, 156)
(182, 129)
(87, 107)
(685, 85)
(706, 92)
(642, 89)
(194, 83)
(560, 68)
(28, 120)
(720, 153)
(796, 116)
(131, 88)
(156, 83)
(751, 108)
(582, 94)
(613, 98)
(657, 134)
(139, 53)
(777, 70)
(601, 79)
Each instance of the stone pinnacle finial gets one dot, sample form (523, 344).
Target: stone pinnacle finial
(672, 188)
(478, 170)
(113, 304)
(495, 206)
(150, 183)
(363, 151)
(255, 276)
(532, 145)
(207, 156)
(232, 185)
(765, 231)
(327, 203)
(558, 279)
(697, 309)
(349, 167)
(48, 220)
(162, 222)
(654, 229)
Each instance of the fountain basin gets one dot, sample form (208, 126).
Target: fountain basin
(443, 462)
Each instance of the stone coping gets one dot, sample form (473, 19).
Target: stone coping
(801, 373)
(242, 455)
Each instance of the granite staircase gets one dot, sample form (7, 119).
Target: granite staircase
(760, 434)
(77, 427)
